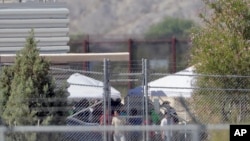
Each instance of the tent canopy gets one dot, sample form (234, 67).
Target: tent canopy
(82, 86)
(175, 85)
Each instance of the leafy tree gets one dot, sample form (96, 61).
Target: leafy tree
(29, 95)
(221, 47)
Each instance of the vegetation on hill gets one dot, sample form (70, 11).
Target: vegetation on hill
(126, 16)
(170, 27)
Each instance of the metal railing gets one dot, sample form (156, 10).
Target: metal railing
(182, 132)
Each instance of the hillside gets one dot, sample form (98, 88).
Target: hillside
(126, 16)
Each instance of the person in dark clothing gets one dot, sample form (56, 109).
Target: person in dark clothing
(135, 120)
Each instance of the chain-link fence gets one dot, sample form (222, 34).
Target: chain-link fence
(95, 133)
(142, 99)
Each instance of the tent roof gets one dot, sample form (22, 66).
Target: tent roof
(82, 86)
(174, 85)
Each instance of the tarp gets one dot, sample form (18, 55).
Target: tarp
(174, 85)
(82, 86)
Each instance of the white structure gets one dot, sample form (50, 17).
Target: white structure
(82, 86)
(169, 88)
(49, 21)
(175, 85)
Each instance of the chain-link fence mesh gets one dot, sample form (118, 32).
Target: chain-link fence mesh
(95, 133)
(213, 99)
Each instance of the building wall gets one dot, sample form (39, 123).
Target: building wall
(49, 21)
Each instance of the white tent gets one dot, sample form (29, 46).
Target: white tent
(82, 86)
(175, 85)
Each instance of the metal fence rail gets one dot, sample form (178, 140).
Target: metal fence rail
(185, 132)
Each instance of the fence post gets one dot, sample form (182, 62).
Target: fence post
(2, 132)
(195, 132)
(145, 93)
(143, 99)
(173, 46)
(86, 50)
(131, 58)
(106, 97)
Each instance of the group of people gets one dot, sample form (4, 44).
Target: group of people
(134, 117)
(117, 120)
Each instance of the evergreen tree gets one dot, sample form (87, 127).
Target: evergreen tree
(5, 81)
(221, 47)
(30, 96)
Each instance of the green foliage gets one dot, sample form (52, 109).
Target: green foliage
(29, 95)
(170, 27)
(222, 47)
(5, 82)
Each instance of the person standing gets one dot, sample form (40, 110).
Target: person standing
(105, 120)
(155, 117)
(135, 120)
(164, 122)
(118, 121)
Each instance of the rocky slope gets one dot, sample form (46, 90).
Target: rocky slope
(126, 16)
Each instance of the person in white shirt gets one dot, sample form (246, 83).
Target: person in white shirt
(166, 135)
(117, 121)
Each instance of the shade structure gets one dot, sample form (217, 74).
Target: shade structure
(174, 85)
(82, 86)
